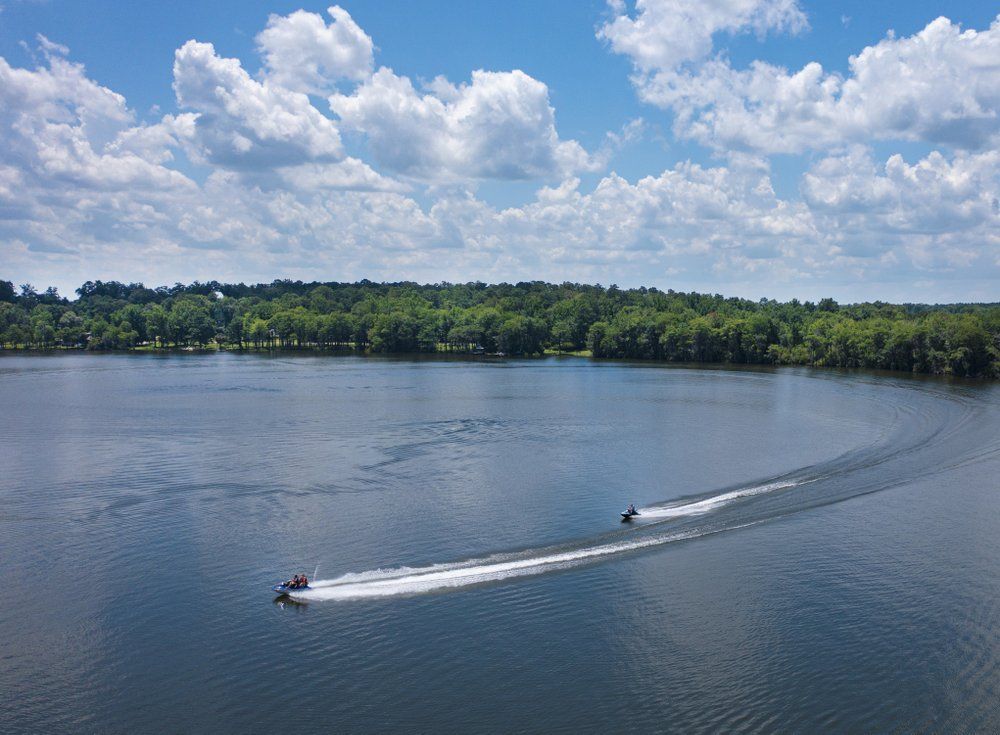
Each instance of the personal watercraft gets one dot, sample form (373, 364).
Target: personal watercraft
(282, 589)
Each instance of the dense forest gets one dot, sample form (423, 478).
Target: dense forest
(521, 319)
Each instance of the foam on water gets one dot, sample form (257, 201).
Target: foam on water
(705, 505)
(410, 581)
(416, 580)
(845, 476)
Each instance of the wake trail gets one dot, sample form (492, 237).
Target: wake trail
(706, 505)
(922, 441)
(416, 580)
(412, 581)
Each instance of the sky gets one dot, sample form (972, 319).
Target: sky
(756, 148)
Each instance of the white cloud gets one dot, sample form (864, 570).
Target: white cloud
(51, 47)
(936, 212)
(60, 93)
(688, 213)
(85, 191)
(243, 123)
(304, 54)
(499, 126)
(156, 143)
(941, 86)
(350, 174)
(56, 125)
(665, 34)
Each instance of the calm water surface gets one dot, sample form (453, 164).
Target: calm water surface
(817, 550)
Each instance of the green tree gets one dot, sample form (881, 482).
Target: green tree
(521, 335)
(132, 318)
(260, 333)
(283, 325)
(333, 329)
(191, 322)
(521, 318)
(395, 332)
(158, 325)
(70, 331)
(43, 326)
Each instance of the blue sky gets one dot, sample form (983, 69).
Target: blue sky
(716, 145)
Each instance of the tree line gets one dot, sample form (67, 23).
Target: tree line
(515, 319)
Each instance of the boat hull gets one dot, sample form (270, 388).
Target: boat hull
(281, 589)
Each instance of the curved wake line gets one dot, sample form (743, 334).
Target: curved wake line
(700, 507)
(416, 580)
(412, 581)
(913, 447)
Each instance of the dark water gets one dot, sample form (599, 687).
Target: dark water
(817, 551)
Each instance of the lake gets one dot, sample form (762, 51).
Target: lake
(817, 550)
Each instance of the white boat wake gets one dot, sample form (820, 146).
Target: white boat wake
(417, 580)
(914, 449)
(700, 507)
(412, 581)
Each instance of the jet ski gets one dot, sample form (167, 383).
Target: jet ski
(281, 589)
(286, 588)
(628, 514)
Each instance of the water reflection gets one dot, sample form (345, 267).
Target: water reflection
(143, 500)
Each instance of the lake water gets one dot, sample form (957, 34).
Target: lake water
(816, 551)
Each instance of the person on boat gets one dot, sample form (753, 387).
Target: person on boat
(293, 583)
(303, 582)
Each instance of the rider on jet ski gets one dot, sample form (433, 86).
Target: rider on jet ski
(297, 582)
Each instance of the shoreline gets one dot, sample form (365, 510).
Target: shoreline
(496, 359)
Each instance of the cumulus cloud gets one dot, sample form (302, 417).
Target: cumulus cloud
(501, 125)
(687, 213)
(87, 190)
(663, 35)
(59, 91)
(155, 143)
(243, 123)
(350, 174)
(940, 213)
(64, 180)
(303, 53)
(57, 125)
(940, 86)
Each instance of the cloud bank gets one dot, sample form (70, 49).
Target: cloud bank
(250, 177)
